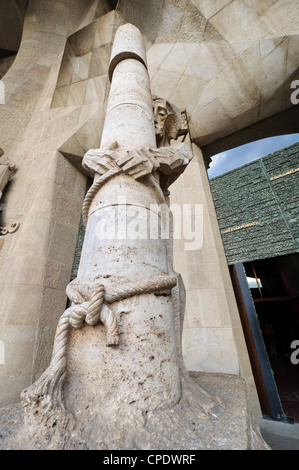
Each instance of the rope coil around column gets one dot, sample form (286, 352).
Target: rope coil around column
(48, 388)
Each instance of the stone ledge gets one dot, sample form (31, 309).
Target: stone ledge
(231, 427)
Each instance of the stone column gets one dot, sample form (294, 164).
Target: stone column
(125, 278)
(117, 378)
(143, 368)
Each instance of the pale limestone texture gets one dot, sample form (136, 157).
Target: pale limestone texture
(225, 71)
(211, 325)
(229, 63)
(47, 191)
(7, 168)
(4, 177)
(228, 428)
(92, 397)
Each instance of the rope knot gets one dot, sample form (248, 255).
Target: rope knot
(94, 311)
(95, 304)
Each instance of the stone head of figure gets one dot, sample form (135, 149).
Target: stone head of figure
(167, 120)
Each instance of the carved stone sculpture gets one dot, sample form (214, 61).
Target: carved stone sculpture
(7, 168)
(117, 379)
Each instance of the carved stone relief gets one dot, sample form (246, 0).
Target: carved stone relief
(7, 168)
(136, 393)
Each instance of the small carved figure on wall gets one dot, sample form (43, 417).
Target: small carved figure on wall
(7, 168)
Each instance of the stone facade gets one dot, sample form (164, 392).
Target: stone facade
(92, 394)
(226, 73)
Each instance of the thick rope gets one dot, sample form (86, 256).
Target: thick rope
(47, 390)
(95, 304)
(88, 199)
(108, 319)
(78, 314)
(147, 286)
(93, 190)
(49, 386)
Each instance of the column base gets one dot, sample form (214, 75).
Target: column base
(229, 426)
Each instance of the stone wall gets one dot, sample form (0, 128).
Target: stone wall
(257, 207)
(229, 64)
(213, 339)
(212, 335)
(46, 192)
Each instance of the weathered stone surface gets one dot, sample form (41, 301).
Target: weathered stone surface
(228, 427)
(136, 393)
(55, 100)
